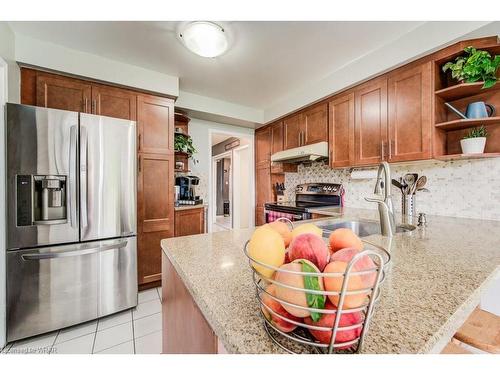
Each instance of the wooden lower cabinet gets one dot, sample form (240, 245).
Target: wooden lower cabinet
(155, 212)
(260, 216)
(184, 328)
(189, 221)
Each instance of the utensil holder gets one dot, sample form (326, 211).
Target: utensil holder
(408, 205)
(300, 339)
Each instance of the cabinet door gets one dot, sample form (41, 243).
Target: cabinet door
(370, 130)
(276, 137)
(292, 129)
(114, 102)
(341, 131)
(155, 121)
(263, 147)
(62, 93)
(409, 94)
(188, 222)
(314, 125)
(155, 212)
(263, 186)
(259, 216)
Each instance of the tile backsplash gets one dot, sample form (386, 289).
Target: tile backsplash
(466, 188)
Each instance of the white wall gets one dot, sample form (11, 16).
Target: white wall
(52, 56)
(7, 52)
(200, 131)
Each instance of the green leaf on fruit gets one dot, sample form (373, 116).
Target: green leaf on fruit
(316, 301)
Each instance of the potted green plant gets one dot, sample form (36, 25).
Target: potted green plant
(183, 143)
(475, 65)
(474, 141)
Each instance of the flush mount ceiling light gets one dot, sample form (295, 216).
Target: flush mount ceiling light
(204, 38)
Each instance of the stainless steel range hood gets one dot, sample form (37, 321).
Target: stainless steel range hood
(314, 152)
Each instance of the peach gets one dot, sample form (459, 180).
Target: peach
(276, 308)
(307, 228)
(342, 238)
(296, 297)
(363, 263)
(328, 320)
(283, 230)
(334, 284)
(266, 246)
(311, 247)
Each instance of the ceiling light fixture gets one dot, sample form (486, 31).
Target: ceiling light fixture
(204, 38)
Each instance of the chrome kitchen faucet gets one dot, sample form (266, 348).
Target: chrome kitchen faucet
(385, 206)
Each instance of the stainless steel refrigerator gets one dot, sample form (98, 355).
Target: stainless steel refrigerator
(71, 218)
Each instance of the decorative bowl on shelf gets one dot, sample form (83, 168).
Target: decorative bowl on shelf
(473, 145)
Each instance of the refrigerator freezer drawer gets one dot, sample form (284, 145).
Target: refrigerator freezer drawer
(56, 287)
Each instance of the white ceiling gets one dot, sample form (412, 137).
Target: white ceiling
(265, 62)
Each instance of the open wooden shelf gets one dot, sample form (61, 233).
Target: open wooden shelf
(468, 156)
(460, 91)
(468, 123)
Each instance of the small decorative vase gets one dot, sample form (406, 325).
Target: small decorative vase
(473, 145)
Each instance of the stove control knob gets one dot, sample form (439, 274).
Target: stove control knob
(325, 188)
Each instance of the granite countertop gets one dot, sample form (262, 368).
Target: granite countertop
(190, 207)
(434, 283)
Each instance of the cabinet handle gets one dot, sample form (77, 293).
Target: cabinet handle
(382, 151)
(140, 164)
(390, 149)
(139, 145)
(85, 101)
(94, 106)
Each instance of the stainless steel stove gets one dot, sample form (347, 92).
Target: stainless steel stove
(307, 197)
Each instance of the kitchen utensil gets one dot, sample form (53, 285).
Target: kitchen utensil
(422, 180)
(397, 184)
(409, 179)
(308, 344)
(474, 110)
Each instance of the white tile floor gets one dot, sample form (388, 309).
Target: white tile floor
(135, 331)
(222, 223)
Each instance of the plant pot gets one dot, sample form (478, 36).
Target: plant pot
(473, 145)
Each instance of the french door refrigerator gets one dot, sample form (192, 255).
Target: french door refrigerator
(71, 218)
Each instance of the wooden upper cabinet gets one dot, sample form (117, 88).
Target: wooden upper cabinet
(63, 93)
(277, 137)
(263, 147)
(155, 122)
(292, 129)
(341, 130)
(370, 125)
(409, 94)
(114, 102)
(314, 125)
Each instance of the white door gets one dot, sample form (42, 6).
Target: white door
(242, 189)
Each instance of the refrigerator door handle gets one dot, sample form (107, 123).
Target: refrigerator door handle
(72, 253)
(83, 175)
(72, 175)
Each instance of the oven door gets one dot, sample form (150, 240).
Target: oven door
(273, 215)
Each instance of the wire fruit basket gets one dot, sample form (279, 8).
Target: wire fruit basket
(341, 324)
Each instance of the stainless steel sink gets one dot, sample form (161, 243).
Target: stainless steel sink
(362, 228)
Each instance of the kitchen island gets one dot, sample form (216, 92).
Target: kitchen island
(435, 281)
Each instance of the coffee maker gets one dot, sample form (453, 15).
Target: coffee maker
(187, 190)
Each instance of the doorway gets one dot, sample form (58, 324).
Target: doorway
(223, 190)
(231, 180)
